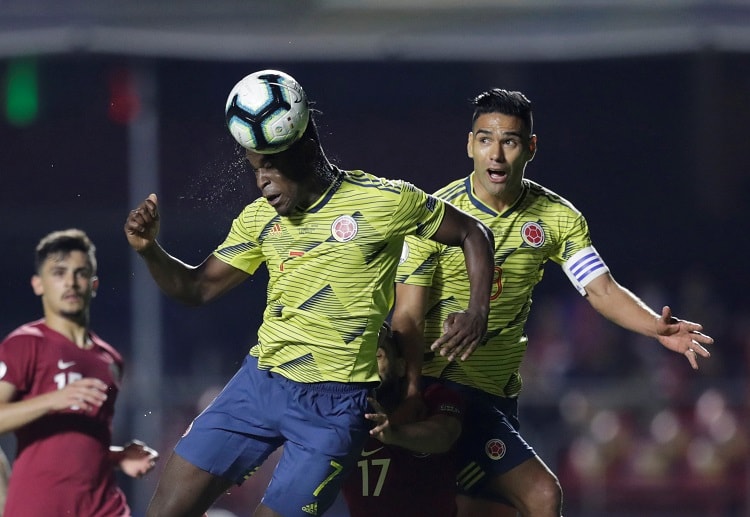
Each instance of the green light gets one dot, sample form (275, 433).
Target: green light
(21, 92)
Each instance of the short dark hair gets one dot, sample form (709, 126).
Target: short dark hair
(506, 102)
(62, 242)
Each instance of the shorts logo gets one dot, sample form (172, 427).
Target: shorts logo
(3, 369)
(344, 228)
(495, 449)
(533, 234)
(404, 254)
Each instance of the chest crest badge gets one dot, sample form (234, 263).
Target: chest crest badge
(344, 228)
(532, 234)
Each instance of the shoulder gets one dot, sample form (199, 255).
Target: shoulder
(258, 205)
(538, 193)
(28, 332)
(367, 190)
(109, 349)
(454, 189)
(362, 180)
(253, 218)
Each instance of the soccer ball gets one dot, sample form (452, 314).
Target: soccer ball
(267, 111)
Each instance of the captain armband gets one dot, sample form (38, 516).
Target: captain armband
(583, 267)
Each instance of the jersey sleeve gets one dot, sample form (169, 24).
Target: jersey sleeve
(440, 399)
(16, 361)
(419, 260)
(418, 213)
(241, 247)
(574, 237)
(579, 259)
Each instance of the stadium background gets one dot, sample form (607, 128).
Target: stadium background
(642, 112)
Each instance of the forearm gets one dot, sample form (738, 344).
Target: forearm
(478, 253)
(425, 436)
(175, 278)
(14, 415)
(622, 307)
(411, 337)
(408, 323)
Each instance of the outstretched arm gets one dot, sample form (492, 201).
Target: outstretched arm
(462, 331)
(192, 285)
(619, 305)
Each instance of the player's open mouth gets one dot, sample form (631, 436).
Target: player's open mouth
(497, 175)
(273, 199)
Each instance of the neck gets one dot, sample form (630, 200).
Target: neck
(75, 328)
(505, 199)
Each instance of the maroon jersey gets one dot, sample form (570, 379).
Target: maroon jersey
(390, 481)
(61, 465)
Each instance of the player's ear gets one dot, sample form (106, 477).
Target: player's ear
(532, 147)
(469, 149)
(36, 285)
(94, 286)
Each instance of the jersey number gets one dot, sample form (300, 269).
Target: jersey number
(366, 466)
(337, 468)
(62, 379)
(497, 283)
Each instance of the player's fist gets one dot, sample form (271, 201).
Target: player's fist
(142, 224)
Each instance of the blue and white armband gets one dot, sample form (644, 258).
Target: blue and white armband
(583, 267)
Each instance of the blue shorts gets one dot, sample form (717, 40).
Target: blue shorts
(321, 426)
(490, 443)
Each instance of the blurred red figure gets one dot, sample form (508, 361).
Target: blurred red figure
(58, 386)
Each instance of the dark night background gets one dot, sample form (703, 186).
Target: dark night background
(650, 147)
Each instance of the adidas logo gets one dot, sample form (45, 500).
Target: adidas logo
(311, 508)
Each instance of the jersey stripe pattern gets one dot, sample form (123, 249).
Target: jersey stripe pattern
(331, 272)
(538, 227)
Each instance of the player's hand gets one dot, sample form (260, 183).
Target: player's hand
(683, 337)
(142, 224)
(383, 430)
(462, 333)
(135, 459)
(85, 395)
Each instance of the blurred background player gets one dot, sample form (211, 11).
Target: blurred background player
(331, 240)
(406, 469)
(531, 225)
(58, 386)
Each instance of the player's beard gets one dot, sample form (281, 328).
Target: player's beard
(389, 393)
(76, 316)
